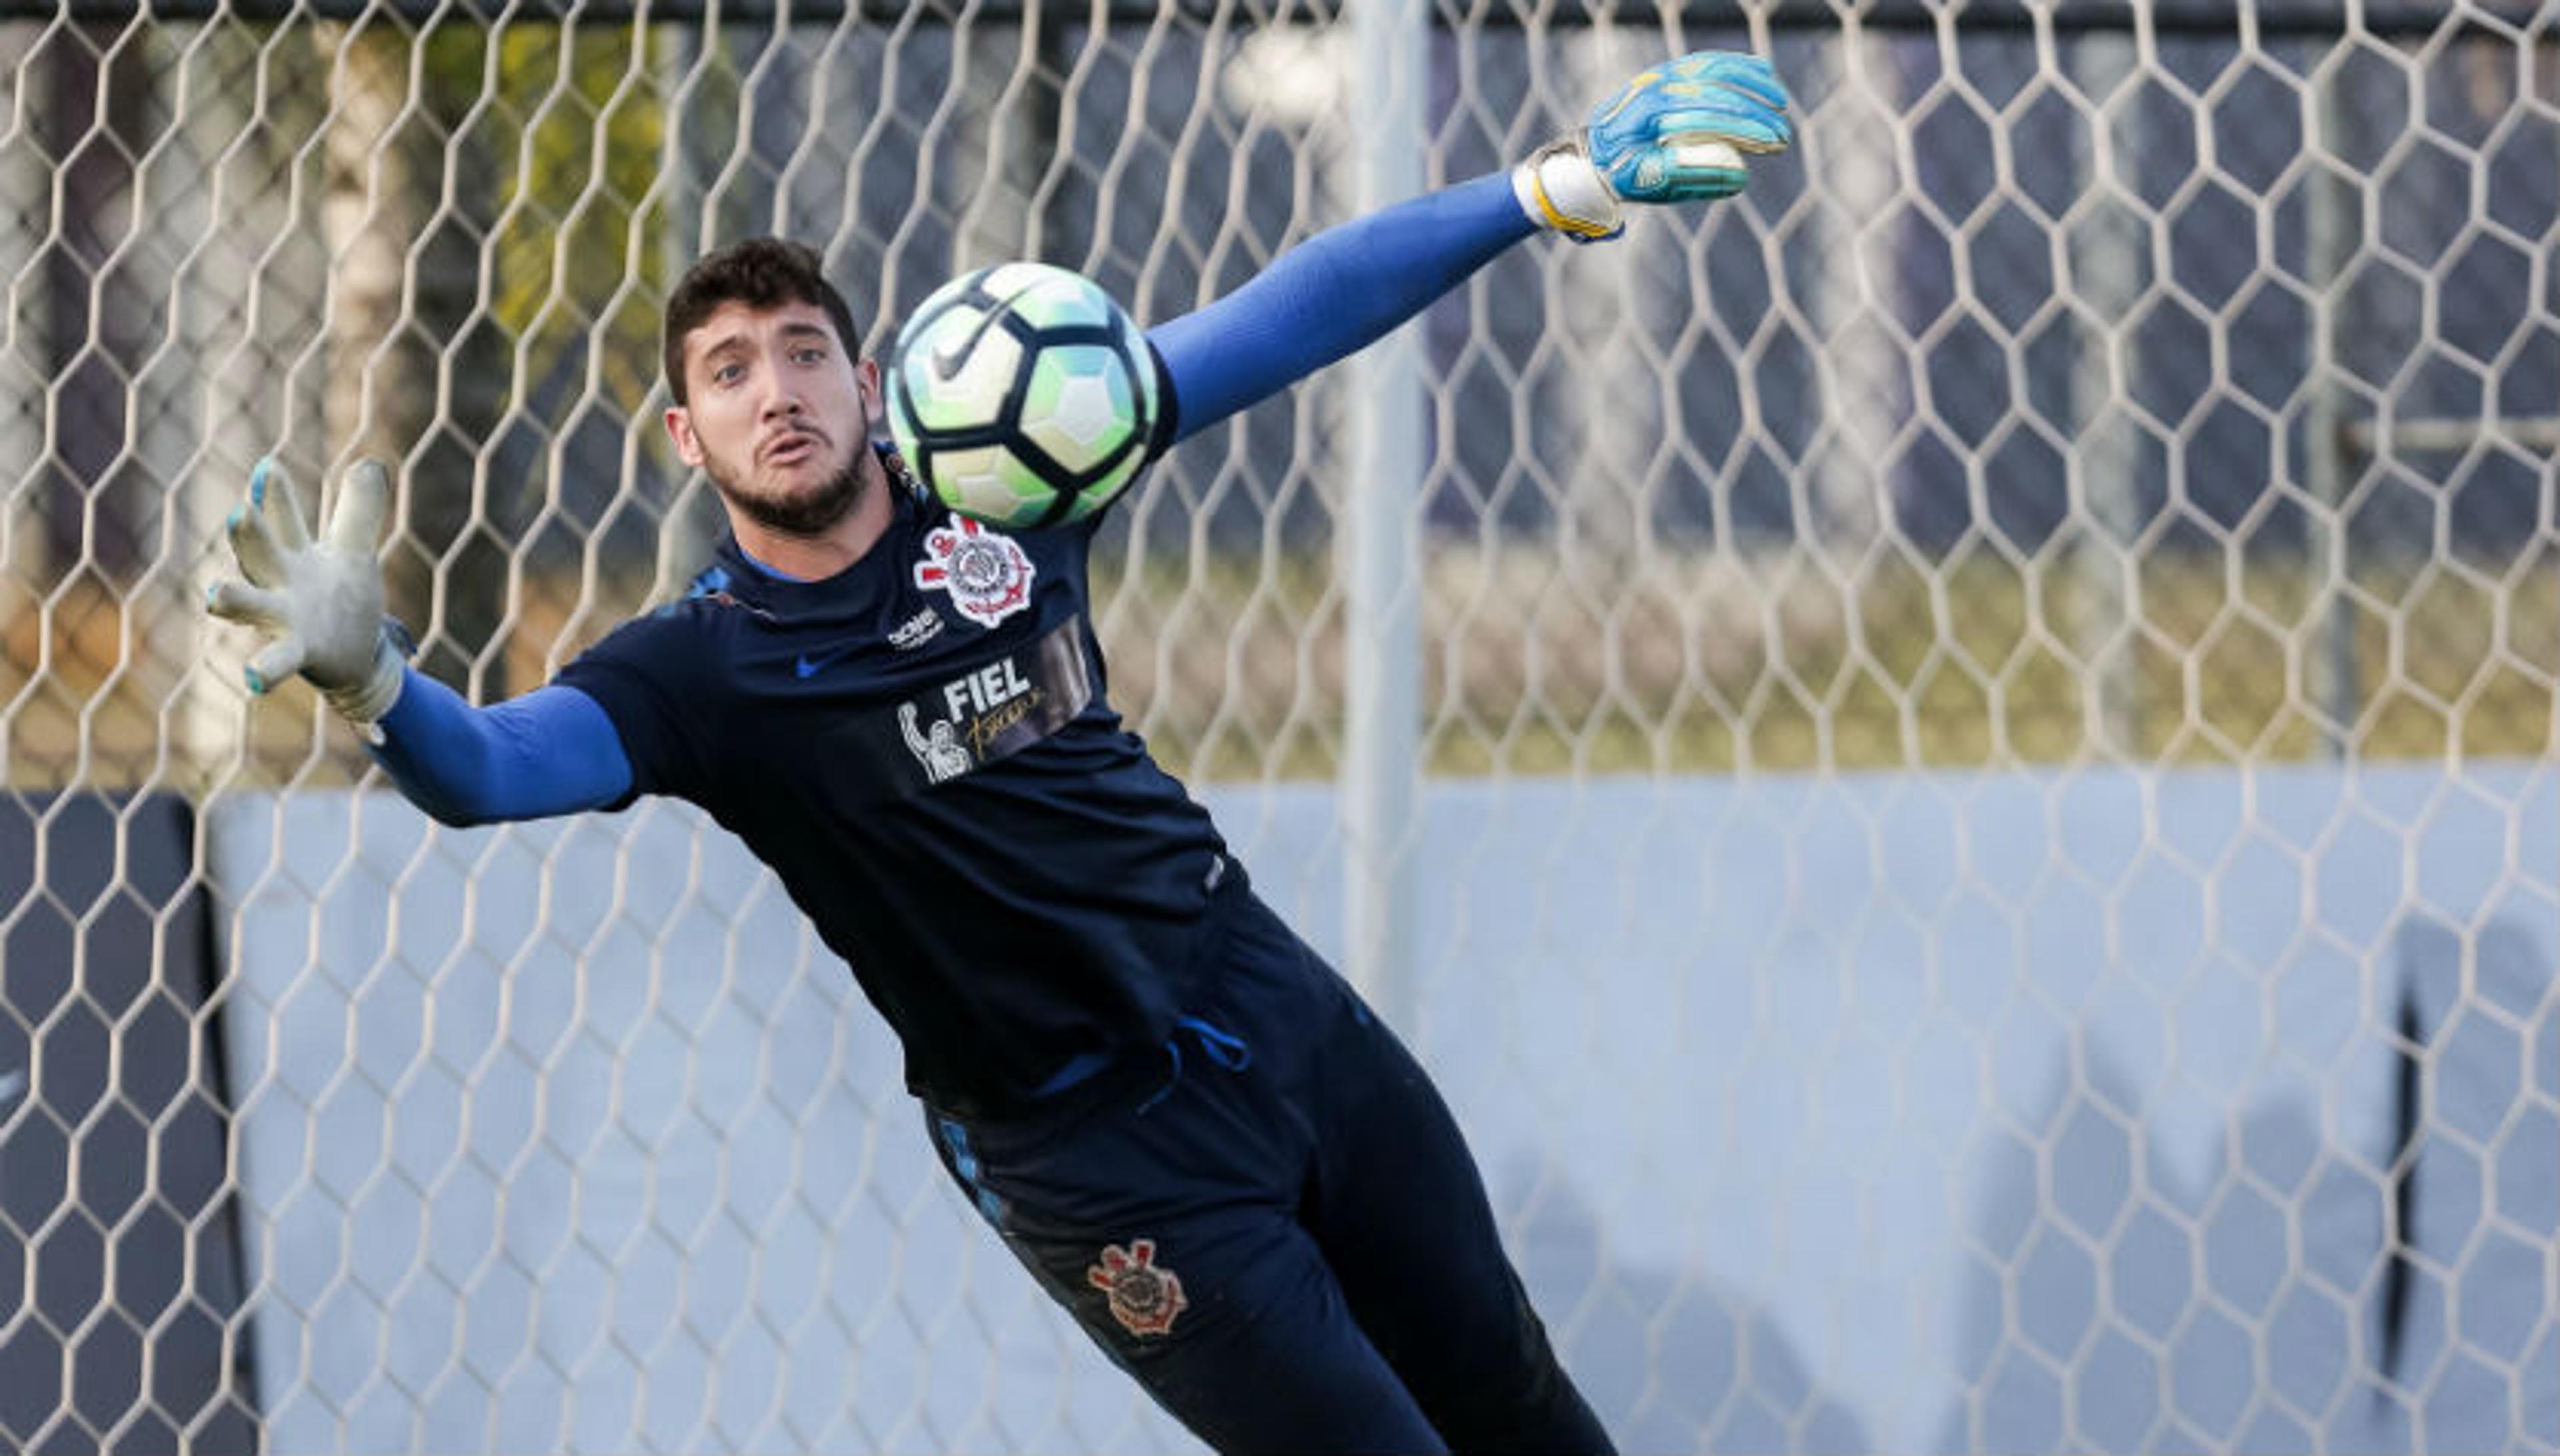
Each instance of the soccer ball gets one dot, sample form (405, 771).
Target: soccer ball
(1023, 395)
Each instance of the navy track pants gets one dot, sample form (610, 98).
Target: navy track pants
(1278, 1229)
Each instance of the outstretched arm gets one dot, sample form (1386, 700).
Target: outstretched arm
(551, 751)
(1331, 296)
(1678, 132)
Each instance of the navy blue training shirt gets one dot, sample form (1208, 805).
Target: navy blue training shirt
(923, 748)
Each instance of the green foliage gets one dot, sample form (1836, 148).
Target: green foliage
(570, 124)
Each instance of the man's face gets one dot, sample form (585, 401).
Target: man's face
(777, 414)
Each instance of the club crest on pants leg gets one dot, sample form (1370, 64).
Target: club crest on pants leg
(1144, 1298)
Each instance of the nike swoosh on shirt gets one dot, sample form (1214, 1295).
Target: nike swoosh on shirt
(947, 362)
(809, 667)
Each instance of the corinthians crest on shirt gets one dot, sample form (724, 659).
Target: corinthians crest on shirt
(987, 576)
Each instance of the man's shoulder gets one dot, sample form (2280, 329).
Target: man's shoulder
(720, 596)
(666, 639)
(714, 591)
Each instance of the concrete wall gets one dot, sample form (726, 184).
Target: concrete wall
(1983, 1111)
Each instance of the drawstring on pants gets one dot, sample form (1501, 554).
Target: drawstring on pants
(1220, 1046)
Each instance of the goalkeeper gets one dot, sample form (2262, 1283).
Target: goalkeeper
(1185, 1123)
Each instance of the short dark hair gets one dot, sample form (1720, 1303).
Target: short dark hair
(760, 272)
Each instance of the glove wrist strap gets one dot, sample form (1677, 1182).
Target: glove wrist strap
(1559, 189)
(363, 703)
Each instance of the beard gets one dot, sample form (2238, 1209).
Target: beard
(807, 513)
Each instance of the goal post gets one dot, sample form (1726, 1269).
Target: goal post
(1949, 761)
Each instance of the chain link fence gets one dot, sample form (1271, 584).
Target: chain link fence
(1988, 709)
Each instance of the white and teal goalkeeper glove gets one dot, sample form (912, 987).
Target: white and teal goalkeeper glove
(1678, 132)
(320, 599)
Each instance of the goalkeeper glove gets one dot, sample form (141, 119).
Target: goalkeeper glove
(1674, 133)
(322, 600)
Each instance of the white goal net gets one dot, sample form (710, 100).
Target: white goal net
(1951, 761)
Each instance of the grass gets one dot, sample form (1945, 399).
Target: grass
(1712, 662)
(1548, 660)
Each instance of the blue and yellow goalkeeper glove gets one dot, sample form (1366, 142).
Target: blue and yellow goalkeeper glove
(1678, 132)
(320, 599)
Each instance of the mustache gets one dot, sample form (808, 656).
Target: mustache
(783, 436)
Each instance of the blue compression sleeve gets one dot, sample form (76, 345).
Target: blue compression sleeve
(1332, 295)
(551, 751)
